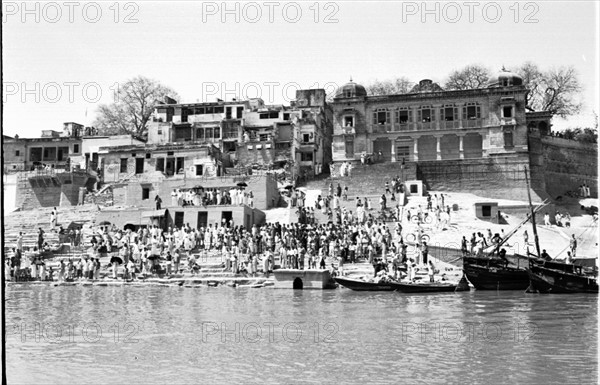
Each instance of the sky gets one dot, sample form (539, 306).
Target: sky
(62, 60)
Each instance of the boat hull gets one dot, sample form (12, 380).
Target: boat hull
(358, 285)
(545, 280)
(424, 287)
(496, 278)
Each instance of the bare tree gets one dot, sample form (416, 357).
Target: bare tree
(133, 107)
(469, 77)
(555, 90)
(401, 85)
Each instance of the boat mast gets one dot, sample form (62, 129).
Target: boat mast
(535, 234)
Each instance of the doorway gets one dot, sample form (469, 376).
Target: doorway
(298, 285)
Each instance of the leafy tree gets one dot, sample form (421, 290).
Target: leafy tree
(469, 77)
(133, 107)
(401, 85)
(555, 90)
(585, 135)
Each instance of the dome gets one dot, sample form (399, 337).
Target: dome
(426, 85)
(351, 90)
(505, 79)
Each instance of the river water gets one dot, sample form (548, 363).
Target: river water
(149, 334)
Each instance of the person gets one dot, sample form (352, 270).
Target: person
(410, 270)
(333, 271)
(463, 246)
(158, 202)
(573, 245)
(547, 219)
(53, 219)
(424, 252)
(431, 271)
(40, 238)
(545, 256)
(569, 258)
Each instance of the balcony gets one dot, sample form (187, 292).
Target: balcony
(449, 124)
(380, 128)
(348, 130)
(472, 123)
(427, 126)
(230, 134)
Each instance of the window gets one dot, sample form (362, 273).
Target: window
(449, 114)
(426, 115)
(471, 111)
(160, 164)
(306, 156)
(381, 117)
(199, 170)
(507, 112)
(508, 139)
(199, 134)
(17, 153)
(133, 155)
(123, 167)
(228, 113)
(403, 116)
(209, 110)
(306, 138)
(286, 116)
(402, 152)
(219, 109)
(76, 149)
(240, 111)
(183, 134)
(180, 165)
(139, 165)
(145, 193)
(148, 155)
(216, 133)
(269, 115)
(169, 153)
(264, 137)
(348, 121)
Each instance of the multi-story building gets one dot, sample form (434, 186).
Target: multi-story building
(430, 124)
(54, 149)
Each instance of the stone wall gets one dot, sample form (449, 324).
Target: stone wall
(494, 177)
(562, 165)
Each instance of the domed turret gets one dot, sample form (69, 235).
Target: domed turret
(351, 90)
(505, 78)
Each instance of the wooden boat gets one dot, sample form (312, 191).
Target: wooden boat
(561, 277)
(494, 274)
(557, 276)
(425, 287)
(359, 285)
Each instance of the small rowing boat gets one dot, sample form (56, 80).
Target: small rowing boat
(359, 285)
(425, 287)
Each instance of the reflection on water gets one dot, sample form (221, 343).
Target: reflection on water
(149, 334)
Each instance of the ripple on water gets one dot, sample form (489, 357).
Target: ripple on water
(274, 336)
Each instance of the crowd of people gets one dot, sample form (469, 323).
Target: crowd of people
(211, 196)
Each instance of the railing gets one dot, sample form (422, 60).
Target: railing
(449, 124)
(472, 123)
